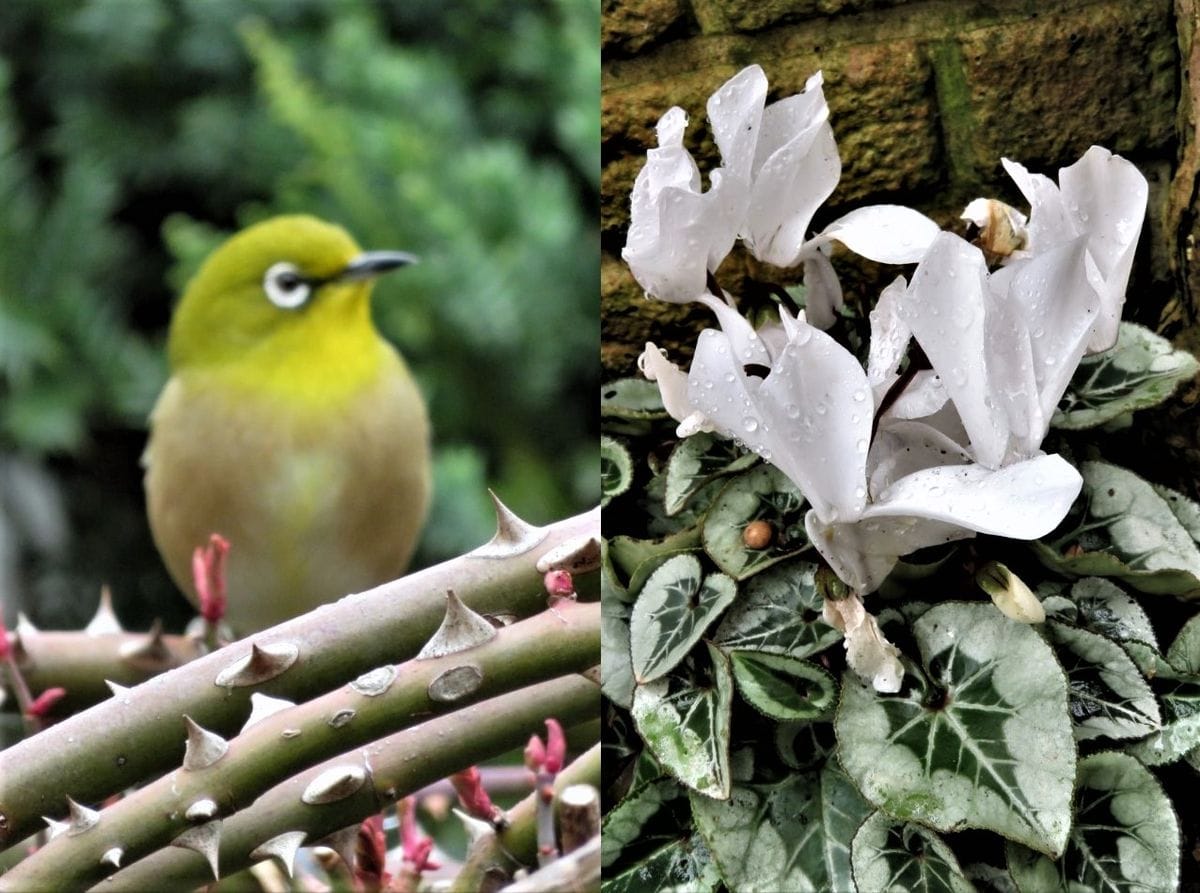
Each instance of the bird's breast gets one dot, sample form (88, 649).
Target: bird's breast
(317, 499)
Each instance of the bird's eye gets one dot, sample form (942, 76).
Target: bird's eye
(285, 286)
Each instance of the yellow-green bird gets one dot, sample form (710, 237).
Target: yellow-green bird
(288, 425)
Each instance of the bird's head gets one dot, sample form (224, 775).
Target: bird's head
(281, 286)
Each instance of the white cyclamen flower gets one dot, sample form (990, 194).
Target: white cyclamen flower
(1101, 197)
(812, 415)
(779, 163)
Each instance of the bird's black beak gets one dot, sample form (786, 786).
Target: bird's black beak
(370, 264)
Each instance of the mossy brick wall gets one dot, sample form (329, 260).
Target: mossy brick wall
(925, 98)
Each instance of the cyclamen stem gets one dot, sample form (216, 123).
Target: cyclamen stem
(917, 362)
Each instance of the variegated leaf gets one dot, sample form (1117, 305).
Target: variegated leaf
(1108, 695)
(793, 835)
(616, 469)
(695, 461)
(672, 612)
(682, 866)
(779, 611)
(1140, 371)
(987, 744)
(684, 719)
(1125, 837)
(760, 494)
(1125, 528)
(901, 856)
(783, 687)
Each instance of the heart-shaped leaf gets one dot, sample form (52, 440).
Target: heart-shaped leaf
(760, 494)
(616, 668)
(1108, 695)
(631, 398)
(672, 612)
(695, 461)
(684, 719)
(681, 865)
(779, 612)
(783, 687)
(616, 469)
(1140, 371)
(647, 817)
(1125, 836)
(1124, 527)
(890, 855)
(987, 742)
(793, 835)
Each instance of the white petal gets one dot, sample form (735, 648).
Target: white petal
(1050, 222)
(1022, 501)
(818, 398)
(945, 308)
(735, 112)
(672, 381)
(888, 234)
(889, 339)
(1058, 306)
(787, 190)
(1108, 196)
(903, 447)
(823, 292)
(863, 553)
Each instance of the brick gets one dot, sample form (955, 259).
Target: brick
(629, 26)
(754, 15)
(1043, 90)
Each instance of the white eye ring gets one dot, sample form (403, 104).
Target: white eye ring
(285, 286)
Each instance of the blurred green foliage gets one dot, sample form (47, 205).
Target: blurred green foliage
(135, 134)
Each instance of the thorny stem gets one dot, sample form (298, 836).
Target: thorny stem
(108, 748)
(399, 765)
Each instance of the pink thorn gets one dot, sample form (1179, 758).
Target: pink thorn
(43, 703)
(5, 645)
(208, 576)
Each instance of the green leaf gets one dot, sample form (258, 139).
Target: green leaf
(1140, 371)
(898, 856)
(1184, 653)
(779, 612)
(783, 687)
(793, 835)
(629, 553)
(1125, 837)
(1103, 607)
(616, 668)
(683, 866)
(1129, 531)
(696, 461)
(761, 494)
(986, 743)
(684, 719)
(1107, 695)
(626, 823)
(616, 469)
(1174, 742)
(672, 612)
(631, 398)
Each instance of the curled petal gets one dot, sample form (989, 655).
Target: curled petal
(888, 234)
(672, 384)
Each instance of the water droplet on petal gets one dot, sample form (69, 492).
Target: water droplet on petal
(750, 423)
